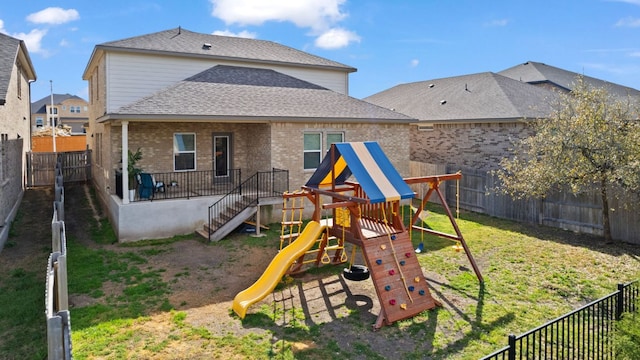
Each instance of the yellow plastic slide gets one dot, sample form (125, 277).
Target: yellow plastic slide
(279, 265)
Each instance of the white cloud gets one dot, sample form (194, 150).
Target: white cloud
(33, 40)
(336, 38)
(415, 63)
(241, 34)
(53, 16)
(628, 22)
(497, 23)
(321, 16)
(635, 54)
(2, 30)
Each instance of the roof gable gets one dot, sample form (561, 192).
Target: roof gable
(39, 107)
(12, 50)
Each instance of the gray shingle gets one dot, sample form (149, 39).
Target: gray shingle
(483, 96)
(8, 53)
(540, 73)
(183, 42)
(40, 106)
(237, 92)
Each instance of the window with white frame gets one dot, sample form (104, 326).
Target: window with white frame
(313, 147)
(184, 151)
(39, 121)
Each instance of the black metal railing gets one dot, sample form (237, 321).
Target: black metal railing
(263, 184)
(188, 184)
(585, 333)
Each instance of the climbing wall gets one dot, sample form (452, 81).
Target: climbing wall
(390, 259)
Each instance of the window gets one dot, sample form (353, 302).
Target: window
(39, 121)
(78, 109)
(184, 151)
(313, 150)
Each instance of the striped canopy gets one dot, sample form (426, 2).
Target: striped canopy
(369, 165)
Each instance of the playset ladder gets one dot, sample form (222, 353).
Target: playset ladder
(291, 225)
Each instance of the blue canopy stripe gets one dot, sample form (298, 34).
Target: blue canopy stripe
(371, 168)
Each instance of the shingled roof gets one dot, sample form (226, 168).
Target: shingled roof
(536, 73)
(10, 52)
(228, 93)
(468, 98)
(182, 42)
(40, 106)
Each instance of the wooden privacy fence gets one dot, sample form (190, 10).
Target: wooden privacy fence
(559, 209)
(75, 167)
(58, 317)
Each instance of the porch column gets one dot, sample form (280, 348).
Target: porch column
(125, 162)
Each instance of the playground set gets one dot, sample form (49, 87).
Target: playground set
(366, 213)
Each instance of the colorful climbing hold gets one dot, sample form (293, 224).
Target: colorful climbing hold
(417, 279)
(403, 306)
(392, 301)
(411, 288)
(387, 288)
(392, 272)
(421, 292)
(383, 246)
(402, 262)
(379, 261)
(393, 237)
(407, 254)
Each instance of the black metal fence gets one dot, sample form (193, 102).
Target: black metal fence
(263, 184)
(585, 333)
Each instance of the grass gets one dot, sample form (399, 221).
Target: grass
(532, 274)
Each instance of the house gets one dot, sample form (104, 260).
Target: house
(472, 120)
(16, 75)
(63, 109)
(207, 111)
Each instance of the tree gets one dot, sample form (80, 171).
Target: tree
(591, 140)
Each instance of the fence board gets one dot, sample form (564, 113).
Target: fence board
(76, 167)
(560, 209)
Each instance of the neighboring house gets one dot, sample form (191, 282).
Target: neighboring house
(217, 107)
(67, 109)
(16, 75)
(472, 120)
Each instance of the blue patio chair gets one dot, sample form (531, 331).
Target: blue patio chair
(148, 186)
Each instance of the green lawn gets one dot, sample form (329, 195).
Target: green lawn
(532, 275)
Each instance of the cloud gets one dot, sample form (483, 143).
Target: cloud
(33, 40)
(497, 23)
(414, 63)
(320, 16)
(2, 29)
(633, 2)
(336, 38)
(628, 22)
(635, 54)
(53, 16)
(241, 34)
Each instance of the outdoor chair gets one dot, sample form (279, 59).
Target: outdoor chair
(148, 186)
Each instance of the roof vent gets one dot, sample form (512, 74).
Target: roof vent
(206, 46)
(442, 102)
(431, 85)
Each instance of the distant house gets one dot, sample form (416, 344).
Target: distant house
(67, 109)
(216, 108)
(16, 75)
(472, 120)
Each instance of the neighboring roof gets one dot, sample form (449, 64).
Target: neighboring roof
(369, 165)
(232, 93)
(181, 42)
(40, 106)
(468, 98)
(12, 50)
(539, 73)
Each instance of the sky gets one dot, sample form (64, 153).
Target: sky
(389, 42)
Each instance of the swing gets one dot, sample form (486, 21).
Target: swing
(355, 272)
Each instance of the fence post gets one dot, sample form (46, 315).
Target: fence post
(620, 301)
(511, 354)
